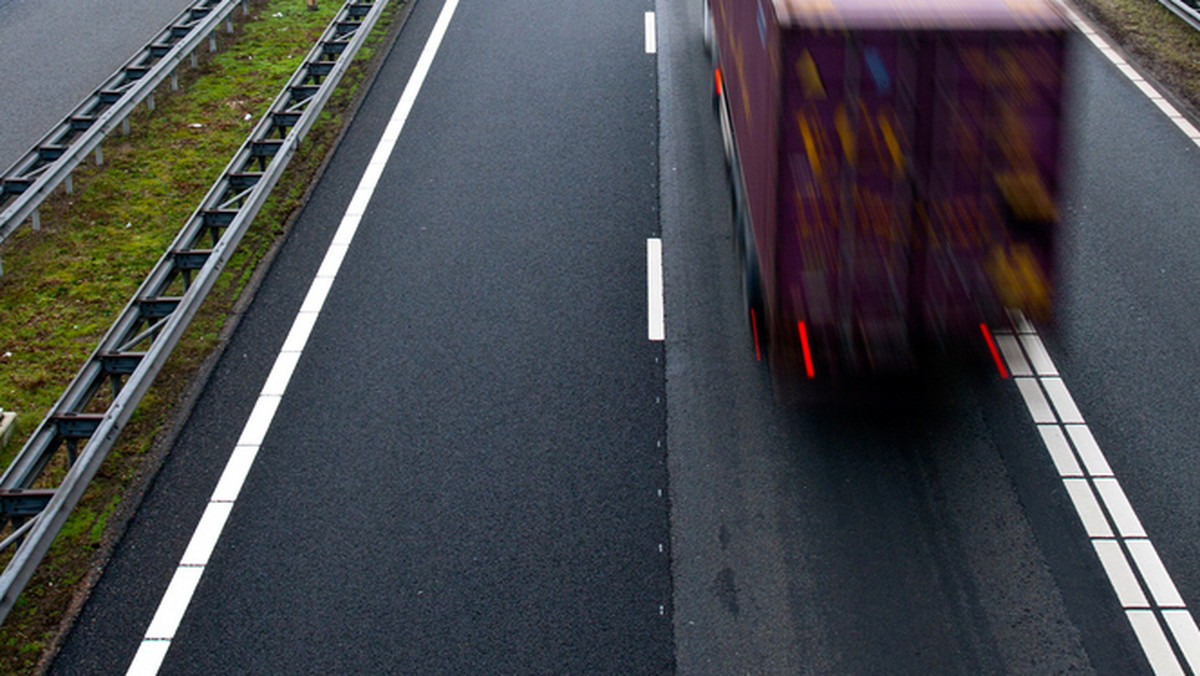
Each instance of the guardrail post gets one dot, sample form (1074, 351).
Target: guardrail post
(69, 183)
(212, 41)
(35, 219)
(157, 319)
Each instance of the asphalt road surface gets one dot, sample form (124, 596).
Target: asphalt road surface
(927, 529)
(54, 53)
(481, 464)
(467, 472)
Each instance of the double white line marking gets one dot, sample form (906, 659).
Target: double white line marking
(1125, 552)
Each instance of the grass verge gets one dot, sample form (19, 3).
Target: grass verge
(1163, 46)
(65, 284)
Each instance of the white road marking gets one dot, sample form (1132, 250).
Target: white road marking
(1038, 356)
(174, 603)
(1127, 522)
(1183, 628)
(1147, 89)
(1120, 574)
(281, 374)
(1060, 451)
(1155, 573)
(1154, 643)
(654, 289)
(1089, 450)
(1013, 356)
(1035, 401)
(205, 537)
(1098, 498)
(236, 470)
(157, 639)
(1188, 129)
(1063, 403)
(1128, 71)
(149, 657)
(1088, 508)
(1168, 109)
(298, 335)
(651, 34)
(260, 419)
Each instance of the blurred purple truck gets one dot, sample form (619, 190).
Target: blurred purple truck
(895, 171)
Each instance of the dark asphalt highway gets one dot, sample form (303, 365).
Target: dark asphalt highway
(927, 531)
(53, 53)
(482, 465)
(467, 473)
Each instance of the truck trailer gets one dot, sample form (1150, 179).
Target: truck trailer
(894, 167)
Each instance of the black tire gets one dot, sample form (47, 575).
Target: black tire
(752, 294)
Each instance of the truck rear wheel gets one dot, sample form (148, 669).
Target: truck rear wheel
(755, 307)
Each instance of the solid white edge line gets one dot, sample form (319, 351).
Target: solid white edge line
(1128, 71)
(1168, 109)
(1120, 575)
(208, 531)
(1187, 128)
(1148, 89)
(314, 300)
(1162, 589)
(157, 640)
(1154, 643)
(301, 329)
(281, 373)
(174, 603)
(260, 419)
(1151, 93)
(333, 260)
(651, 34)
(1183, 628)
(149, 658)
(236, 470)
(654, 289)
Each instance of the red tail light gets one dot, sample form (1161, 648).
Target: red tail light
(808, 363)
(987, 335)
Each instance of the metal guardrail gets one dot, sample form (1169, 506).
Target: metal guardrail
(90, 415)
(32, 179)
(1183, 11)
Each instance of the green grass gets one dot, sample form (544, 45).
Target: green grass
(64, 285)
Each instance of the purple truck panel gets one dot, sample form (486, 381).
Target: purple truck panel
(937, 14)
(901, 174)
